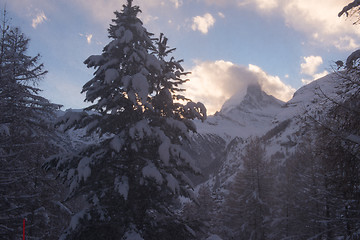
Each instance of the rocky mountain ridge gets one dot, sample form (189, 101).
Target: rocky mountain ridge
(281, 125)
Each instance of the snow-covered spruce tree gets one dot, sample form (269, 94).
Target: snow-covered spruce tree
(301, 196)
(25, 141)
(247, 206)
(200, 214)
(136, 172)
(324, 195)
(338, 147)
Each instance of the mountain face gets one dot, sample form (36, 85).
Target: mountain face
(245, 114)
(218, 145)
(255, 113)
(248, 113)
(255, 100)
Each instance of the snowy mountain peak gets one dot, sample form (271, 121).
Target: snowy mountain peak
(249, 112)
(254, 89)
(251, 99)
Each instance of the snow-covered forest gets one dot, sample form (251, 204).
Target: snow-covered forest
(145, 162)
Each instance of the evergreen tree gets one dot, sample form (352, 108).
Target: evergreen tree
(319, 199)
(232, 210)
(340, 170)
(325, 176)
(247, 205)
(26, 139)
(200, 215)
(339, 150)
(133, 176)
(301, 202)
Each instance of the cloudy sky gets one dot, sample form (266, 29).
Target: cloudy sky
(226, 44)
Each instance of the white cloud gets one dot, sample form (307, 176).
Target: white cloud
(317, 19)
(272, 84)
(88, 38)
(40, 18)
(310, 67)
(311, 64)
(203, 23)
(221, 15)
(177, 3)
(146, 18)
(306, 81)
(314, 77)
(346, 43)
(266, 5)
(320, 75)
(214, 82)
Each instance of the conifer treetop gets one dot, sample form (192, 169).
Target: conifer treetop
(134, 76)
(137, 114)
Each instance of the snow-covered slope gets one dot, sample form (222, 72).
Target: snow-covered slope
(312, 98)
(308, 105)
(254, 113)
(246, 114)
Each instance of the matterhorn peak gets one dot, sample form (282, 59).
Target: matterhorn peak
(254, 88)
(253, 98)
(247, 113)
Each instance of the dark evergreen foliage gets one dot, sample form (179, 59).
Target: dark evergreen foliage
(248, 203)
(133, 176)
(26, 139)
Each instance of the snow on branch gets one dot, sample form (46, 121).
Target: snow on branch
(94, 60)
(347, 8)
(111, 75)
(353, 138)
(141, 86)
(84, 170)
(172, 183)
(121, 185)
(117, 143)
(4, 129)
(70, 119)
(196, 110)
(140, 130)
(151, 171)
(353, 58)
(63, 207)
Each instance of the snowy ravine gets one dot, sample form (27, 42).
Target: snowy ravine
(219, 143)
